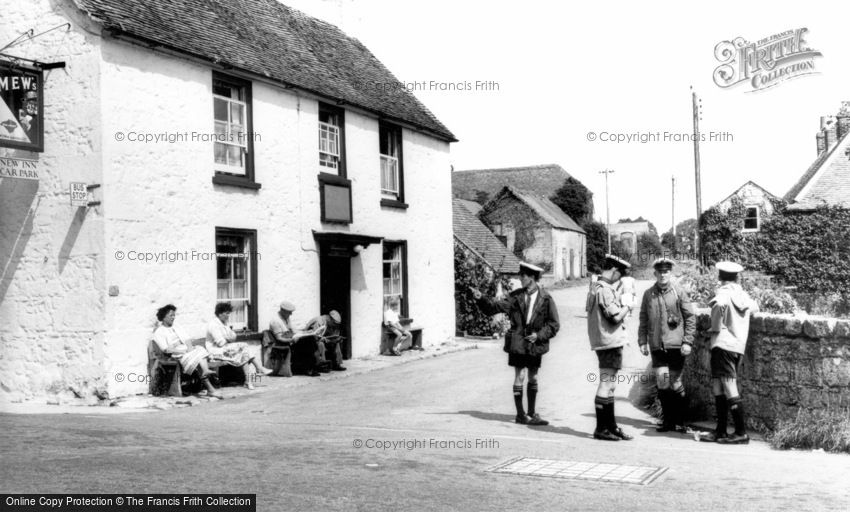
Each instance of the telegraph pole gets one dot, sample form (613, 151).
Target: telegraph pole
(606, 172)
(673, 211)
(696, 114)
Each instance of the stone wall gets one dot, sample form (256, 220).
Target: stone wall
(790, 362)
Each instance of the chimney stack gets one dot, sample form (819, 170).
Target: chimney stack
(843, 120)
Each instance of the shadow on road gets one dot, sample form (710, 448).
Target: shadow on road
(509, 418)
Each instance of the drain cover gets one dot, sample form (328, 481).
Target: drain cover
(574, 470)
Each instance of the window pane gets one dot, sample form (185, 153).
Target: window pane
(219, 109)
(220, 153)
(237, 113)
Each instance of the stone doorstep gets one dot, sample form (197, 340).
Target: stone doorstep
(149, 403)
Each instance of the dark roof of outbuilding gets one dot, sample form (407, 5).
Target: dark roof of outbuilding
(551, 213)
(473, 234)
(268, 39)
(540, 180)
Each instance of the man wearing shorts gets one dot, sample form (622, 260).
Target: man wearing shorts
(667, 326)
(731, 308)
(534, 321)
(607, 335)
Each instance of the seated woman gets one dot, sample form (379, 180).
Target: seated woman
(222, 346)
(191, 359)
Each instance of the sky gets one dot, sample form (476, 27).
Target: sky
(552, 72)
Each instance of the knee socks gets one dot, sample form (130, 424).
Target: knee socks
(532, 397)
(518, 400)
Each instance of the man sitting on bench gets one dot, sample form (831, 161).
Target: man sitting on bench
(284, 331)
(327, 329)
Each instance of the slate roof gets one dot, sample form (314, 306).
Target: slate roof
(551, 213)
(474, 235)
(829, 177)
(268, 39)
(472, 206)
(540, 180)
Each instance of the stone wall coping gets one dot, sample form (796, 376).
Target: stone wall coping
(815, 327)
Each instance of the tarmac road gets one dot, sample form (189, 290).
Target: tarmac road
(416, 436)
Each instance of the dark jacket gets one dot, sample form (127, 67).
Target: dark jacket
(544, 320)
(666, 318)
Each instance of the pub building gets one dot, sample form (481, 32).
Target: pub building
(196, 152)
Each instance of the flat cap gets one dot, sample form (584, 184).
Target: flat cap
(617, 262)
(663, 263)
(729, 267)
(287, 306)
(529, 268)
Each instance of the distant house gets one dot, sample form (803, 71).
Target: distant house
(827, 180)
(758, 205)
(538, 231)
(481, 185)
(628, 233)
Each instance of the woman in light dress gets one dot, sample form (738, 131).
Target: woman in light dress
(192, 359)
(222, 345)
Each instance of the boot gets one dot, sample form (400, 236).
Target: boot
(249, 376)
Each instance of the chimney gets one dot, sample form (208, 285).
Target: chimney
(843, 120)
(828, 129)
(821, 143)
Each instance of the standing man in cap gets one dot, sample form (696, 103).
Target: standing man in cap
(284, 330)
(666, 332)
(327, 327)
(730, 324)
(534, 321)
(607, 335)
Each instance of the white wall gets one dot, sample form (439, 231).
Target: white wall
(160, 198)
(51, 254)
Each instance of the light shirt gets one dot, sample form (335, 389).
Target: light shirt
(390, 317)
(164, 337)
(218, 334)
(532, 300)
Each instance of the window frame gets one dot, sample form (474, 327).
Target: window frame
(404, 311)
(332, 110)
(251, 235)
(389, 128)
(757, 218)
(220, 174)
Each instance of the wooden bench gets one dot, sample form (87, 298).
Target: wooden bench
(414, 342)
(277, 355)
(160, 361)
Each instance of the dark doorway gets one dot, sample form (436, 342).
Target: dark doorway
(335, 272)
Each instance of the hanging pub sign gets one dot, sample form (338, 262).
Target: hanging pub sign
(21, 107)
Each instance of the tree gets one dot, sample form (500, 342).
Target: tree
(685, 232)
(597, 243)
(575, 200)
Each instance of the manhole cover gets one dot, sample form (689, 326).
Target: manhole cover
(574, 470)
